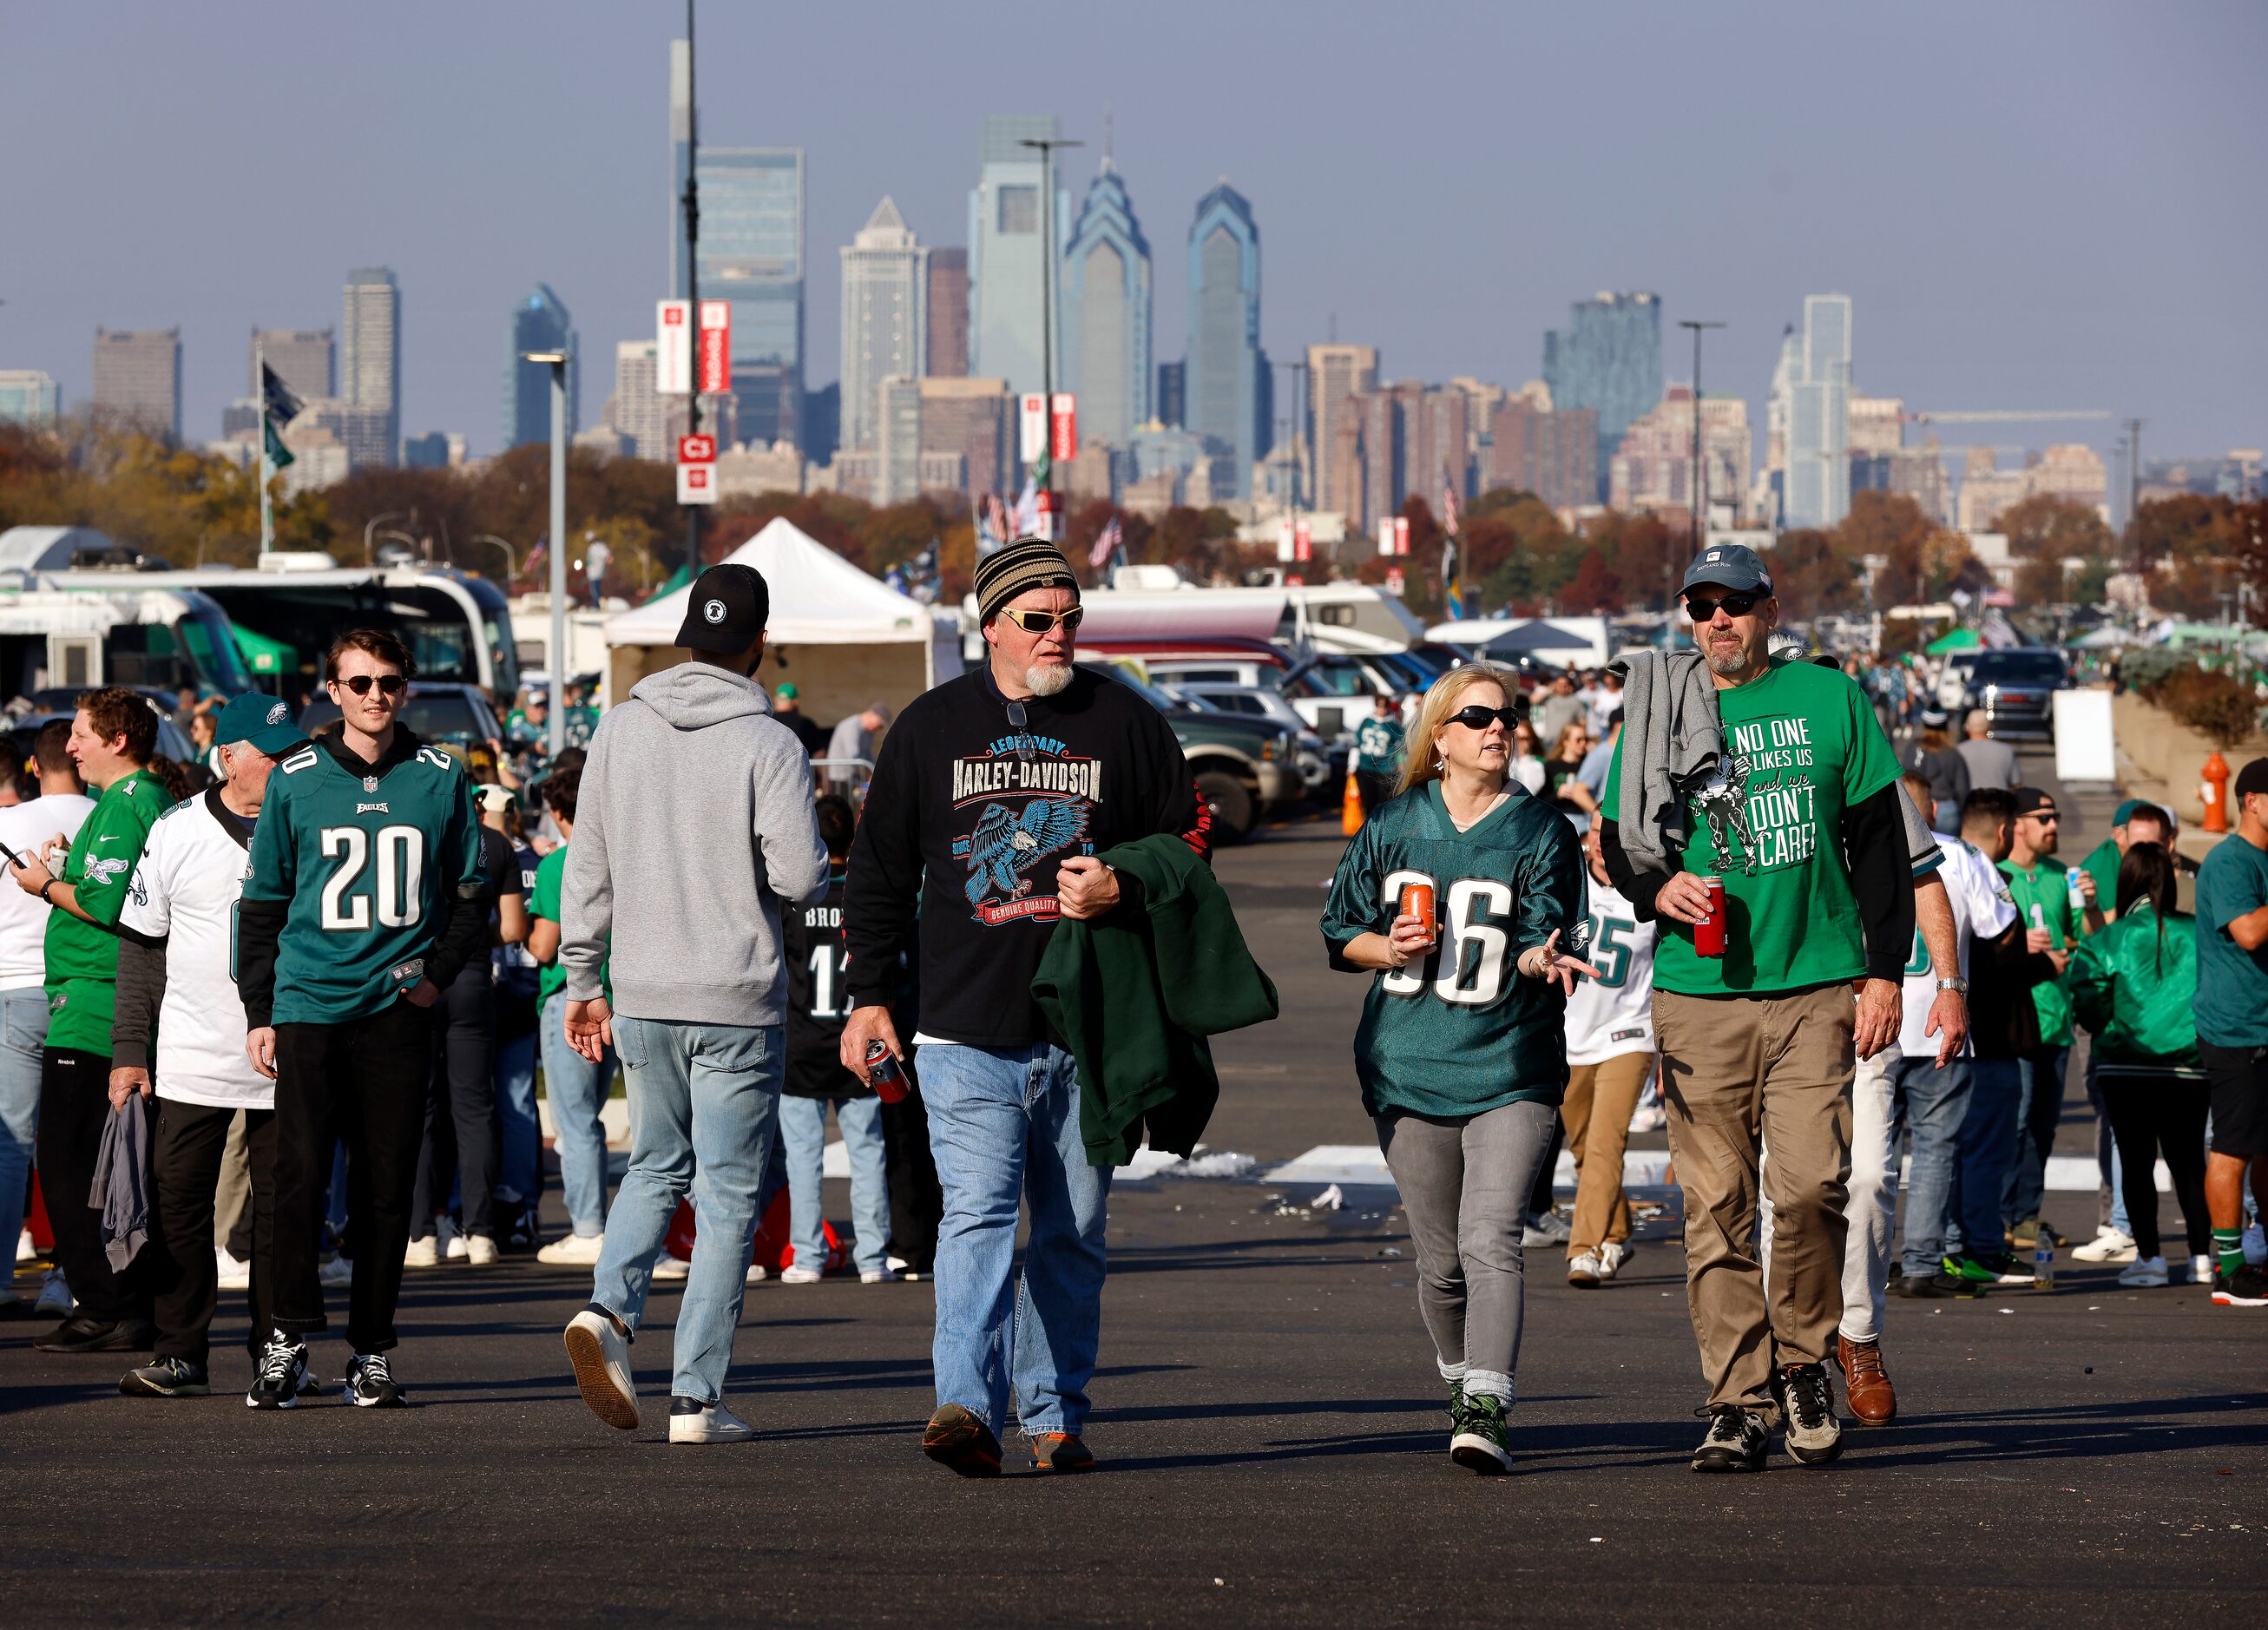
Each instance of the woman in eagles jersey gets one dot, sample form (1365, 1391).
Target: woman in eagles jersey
(1462, 1050)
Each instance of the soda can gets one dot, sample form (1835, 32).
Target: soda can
(1708, 932)
(883, 1073)
(2078, 895)
(1418, 902)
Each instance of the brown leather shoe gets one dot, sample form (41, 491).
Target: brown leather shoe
(1865, 1383)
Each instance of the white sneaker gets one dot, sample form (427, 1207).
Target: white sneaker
(672, 1268)
(1612, 1255)
(480, 1250)
(26, 1251)
(572, 1250)
(422, 1253)
(757, 1274)
(56, 1297)
(1648, 1118)
(336, 1270)
(234, 1275)
(796, 1273)
(600, 1354)
(454, 1248)
(1583, 1273)
(876, 1276)
(2255, 1245)
(896, 1265)
(705, 1423)
(2144, 1272)
(2107, 1245)
(2201, 1269)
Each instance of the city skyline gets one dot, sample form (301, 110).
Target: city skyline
(1459, 269)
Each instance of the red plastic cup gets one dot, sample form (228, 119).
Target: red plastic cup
(882, 1072)
(1708, 932)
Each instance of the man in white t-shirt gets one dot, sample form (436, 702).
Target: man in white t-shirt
(1610, 1055)
(62, 806)
(176, 977)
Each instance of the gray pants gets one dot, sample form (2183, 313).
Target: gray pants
(1464, 1187)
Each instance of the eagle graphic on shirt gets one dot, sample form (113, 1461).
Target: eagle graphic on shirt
(1006, 844)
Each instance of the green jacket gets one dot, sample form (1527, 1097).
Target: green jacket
(2136, 990)
(1135, 995)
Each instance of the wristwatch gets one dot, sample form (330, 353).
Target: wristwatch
(1959, 987)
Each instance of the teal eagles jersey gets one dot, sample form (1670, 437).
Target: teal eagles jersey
(361, 861)
(1463, 1031)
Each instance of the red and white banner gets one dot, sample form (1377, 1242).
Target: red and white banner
(672, 354)
(1394, 583)
(715, 347)
(696, 470)
(1283, 542)
(1032, 427)
(1303, 540)
(1401, 534)
(1045, 502)
(1063, 445)
(1393, 534)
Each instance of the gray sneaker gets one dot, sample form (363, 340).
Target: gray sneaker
(1807, 1404)
(1547, 1228)
(1736, 1441)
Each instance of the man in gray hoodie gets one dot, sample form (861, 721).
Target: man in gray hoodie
(694, 824)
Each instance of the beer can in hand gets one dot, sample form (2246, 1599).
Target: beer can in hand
(883, 1073)
(1418, 902)
(1708, 932)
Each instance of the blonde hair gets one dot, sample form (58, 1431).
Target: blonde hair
(1446, 697)
(1570, 726)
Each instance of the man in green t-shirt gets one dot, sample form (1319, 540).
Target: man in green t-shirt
(113, 737)
(2041, 887)
(1797, 816)
(2232, 1025)
(575, 1087)
(2101, 862)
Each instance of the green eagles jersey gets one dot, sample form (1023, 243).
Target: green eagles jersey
(1461, 1032)
(362, 861)
(1378, 746)
(1801, 746)
(82, 960)
(2042, 896)
(550, 876)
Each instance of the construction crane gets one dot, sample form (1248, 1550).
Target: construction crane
(1997, 417)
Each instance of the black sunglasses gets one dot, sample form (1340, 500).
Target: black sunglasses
(1473, 716)
(1042, 621)
(388, 684)
(1701, 608)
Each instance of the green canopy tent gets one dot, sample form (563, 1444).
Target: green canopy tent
(1955, 639)
(266, 657)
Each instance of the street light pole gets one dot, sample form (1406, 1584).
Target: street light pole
(1047, 146)
(691, 200)
(557, 361)
(510, 558)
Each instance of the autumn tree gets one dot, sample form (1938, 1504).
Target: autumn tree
(2044, 526)
(1810, 574)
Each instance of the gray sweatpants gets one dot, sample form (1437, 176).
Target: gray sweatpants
(1464, 1187)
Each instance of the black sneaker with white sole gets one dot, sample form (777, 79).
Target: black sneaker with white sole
(283, 1375)
(1807, 1404)
(1736, 1441)
(168, 1377)
(371, 1384)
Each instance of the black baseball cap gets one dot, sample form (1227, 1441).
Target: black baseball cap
(727, 610)
(2252, 779)
(1729, 565)
(2032, 799)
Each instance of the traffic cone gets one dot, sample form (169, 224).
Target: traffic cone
(1351, 808)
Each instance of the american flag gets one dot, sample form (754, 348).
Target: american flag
(1448, 508)
(1106, 546)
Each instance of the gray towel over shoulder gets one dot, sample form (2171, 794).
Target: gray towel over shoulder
(1671, 739)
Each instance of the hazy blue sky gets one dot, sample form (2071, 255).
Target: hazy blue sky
(2032, 205)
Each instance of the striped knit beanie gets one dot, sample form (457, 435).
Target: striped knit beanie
(1028, 562)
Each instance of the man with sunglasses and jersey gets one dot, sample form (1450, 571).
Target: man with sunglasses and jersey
(1760, 1043)
(993, 799)
(358, 909)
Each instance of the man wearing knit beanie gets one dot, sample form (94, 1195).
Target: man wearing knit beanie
(991, 799)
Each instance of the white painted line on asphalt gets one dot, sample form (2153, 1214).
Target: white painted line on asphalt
(1361, 1162)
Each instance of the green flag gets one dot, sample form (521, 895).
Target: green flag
(278, 455)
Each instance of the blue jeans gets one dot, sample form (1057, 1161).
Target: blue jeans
(23, 1032)
(2039, 1111)
(1929, 1104)
(519, 1146)
(1987, 1143)
(705, 1100)
(577, 1088)
(803, 1129)
(1003, 1128)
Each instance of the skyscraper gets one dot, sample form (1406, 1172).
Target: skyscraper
(301, 358)
(29, 397)
(1172, 403)
(1105, 306)
(137, 377)
(885, 316)
(369, 353)
(948, 302)
(1336, 374)
(751, 253)
(539, 323)
(1005, 257)
(636, 410)
(1819, 416)
(1608, 357)
(1228, 386)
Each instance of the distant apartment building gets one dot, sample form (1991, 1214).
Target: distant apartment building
(137, 378)
(434, 450)
(885, 318)
(539, 323)
(370, 354)
(2071, 471)
(1532, 449)
(1336, 375)
(1818, 481)
(636, 410)
(1231, 396)
(1608, 358)
(29, 396)
(895, 425)
(1007, 253)
(1104, 310)
(972, 418)
(751, 253)
(305, 359)
(1654, 469)
(947, 302)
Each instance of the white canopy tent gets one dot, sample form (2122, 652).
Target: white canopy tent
(844, 640)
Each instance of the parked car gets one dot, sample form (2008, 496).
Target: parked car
(1244, 767)
(1320, 762)
(2017, 688)
(23, 734)
(457, 715)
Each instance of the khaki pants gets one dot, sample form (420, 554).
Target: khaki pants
(1600, 1099)
(1736, 1071)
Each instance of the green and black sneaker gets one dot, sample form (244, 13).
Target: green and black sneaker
(1974, 1274)
(1482, 1439)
